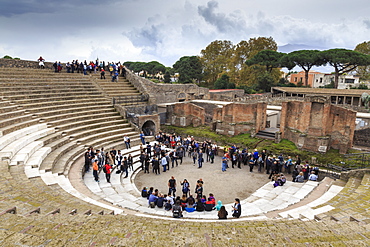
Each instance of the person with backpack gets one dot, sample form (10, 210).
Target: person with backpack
(107, 170)
(177, 210)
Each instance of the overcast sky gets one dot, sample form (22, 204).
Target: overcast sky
(165, 30)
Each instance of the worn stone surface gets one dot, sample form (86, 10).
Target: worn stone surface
(167, 93)
(185, 114)
(362, 137)
(237, 118)
(314, 125)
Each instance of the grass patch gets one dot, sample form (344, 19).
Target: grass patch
(285, 147)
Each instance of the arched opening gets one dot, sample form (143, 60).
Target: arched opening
(149, 128)
(181, 97)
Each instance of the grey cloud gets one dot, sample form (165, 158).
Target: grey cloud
(367, 24)
(12, 7)
(223, 23)
(148, 36)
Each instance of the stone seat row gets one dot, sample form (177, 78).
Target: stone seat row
(123, 230)
(29, 194)
(353, 203)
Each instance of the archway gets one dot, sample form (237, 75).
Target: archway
(149, 128)
(181, 97)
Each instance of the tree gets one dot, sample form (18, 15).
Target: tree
(363, 71)
(189, 68)
(224, 83)
(167, 77)
(265, 82)
(268, 58)
(305, 59)
(239, 71)
(344, 61)
(214, 59)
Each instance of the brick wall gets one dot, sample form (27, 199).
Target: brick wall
(313, 124)
(362, 137)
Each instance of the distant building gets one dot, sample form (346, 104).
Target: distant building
(299, 78)
(317, 79)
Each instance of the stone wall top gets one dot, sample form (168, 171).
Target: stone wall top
(167, 93)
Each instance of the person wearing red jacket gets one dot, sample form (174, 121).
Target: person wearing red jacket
(107, 171)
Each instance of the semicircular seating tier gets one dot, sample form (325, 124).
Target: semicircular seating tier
(48, 120)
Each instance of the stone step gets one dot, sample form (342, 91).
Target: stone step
(66, 84)
(31, 167)
(43, 79)
(42, 92)
(60, 102)
(14, 117)
(57, 110)
(23, 123)
(65, 100)
(86, 121)
(23, 155)
(45, 86)
(46, 95)
(9, 151)
(8, 107)
(113, 133)
(64, 145)
(62, 119)
(79, 128)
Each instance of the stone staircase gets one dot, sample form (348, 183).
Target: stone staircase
(122, 90)
(268, 133)
(74, 111)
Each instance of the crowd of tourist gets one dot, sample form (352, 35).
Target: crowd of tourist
(169, 151)
(114, 68)
(187, 203)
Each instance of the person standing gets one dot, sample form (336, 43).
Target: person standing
(142, 138)
(142, 159)
(87, 160)
(200, 159)
(237, 208)
(172, 186)
(194, 154)
(146, 164)
(107, 172)
(251, 165)
(199, 191)
(224, 163)
(127, 141)
(95, 170)
(164, 163)
(185, 187)
(102, 74)
(124, 166)
(130, 162)
(155, 164)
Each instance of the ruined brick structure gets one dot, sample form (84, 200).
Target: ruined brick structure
(238, 118)
(185, 114)
(317, 126)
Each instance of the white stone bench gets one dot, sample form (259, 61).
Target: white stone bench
(13, 136)
(307, 211)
